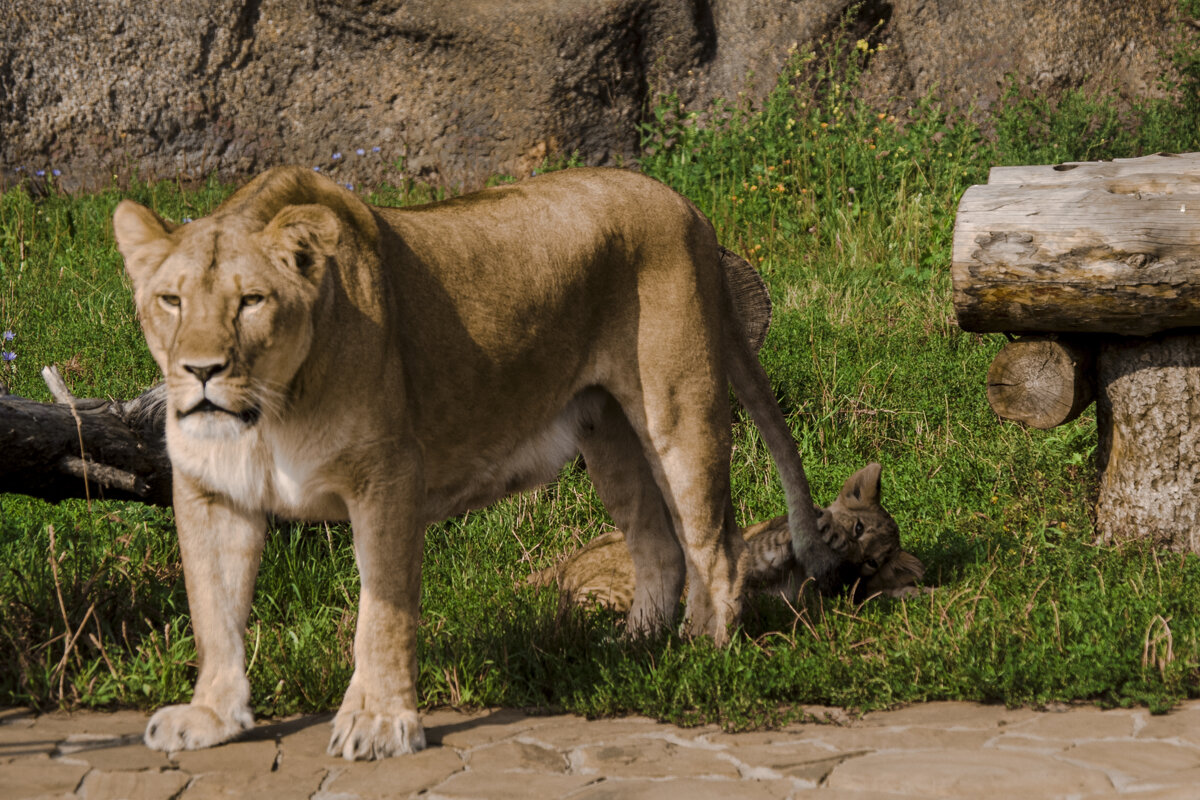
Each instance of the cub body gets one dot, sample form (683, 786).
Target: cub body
(601, 571)
(326, 359)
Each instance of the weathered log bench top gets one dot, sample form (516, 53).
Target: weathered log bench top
(1105, 247)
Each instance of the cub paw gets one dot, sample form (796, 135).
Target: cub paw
(834, 539)
(193, 727)
(363, 735)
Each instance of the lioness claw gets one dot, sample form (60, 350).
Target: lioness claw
(363, 735)
(193, 727)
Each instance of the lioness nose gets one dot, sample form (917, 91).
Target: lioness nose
(205, 371)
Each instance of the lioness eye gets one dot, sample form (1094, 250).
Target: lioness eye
(171, 300)
(858, 529)
(251, 300)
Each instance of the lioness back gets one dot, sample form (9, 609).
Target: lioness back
(539, 283)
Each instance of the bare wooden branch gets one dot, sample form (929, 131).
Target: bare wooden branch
(1042, 381)
(57, 386)
(106, 476)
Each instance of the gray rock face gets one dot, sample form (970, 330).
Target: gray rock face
(456, 90)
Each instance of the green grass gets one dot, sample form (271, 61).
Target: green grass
(848, 213)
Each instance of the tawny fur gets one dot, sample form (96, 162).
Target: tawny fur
(326, 359)
(601, 572)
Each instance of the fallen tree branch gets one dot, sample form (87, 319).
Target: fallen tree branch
(84, 447)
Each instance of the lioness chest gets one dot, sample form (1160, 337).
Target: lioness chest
(305, 477)
(269, 470)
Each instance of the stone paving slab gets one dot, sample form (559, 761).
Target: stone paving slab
(933, 750)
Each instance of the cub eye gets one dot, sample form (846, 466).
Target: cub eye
(170, 300)
(252, 300)
(858, 529)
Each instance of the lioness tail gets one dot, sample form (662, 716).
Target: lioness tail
(754, 390)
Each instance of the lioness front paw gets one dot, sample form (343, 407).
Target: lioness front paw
(193, 727)
(363, 735)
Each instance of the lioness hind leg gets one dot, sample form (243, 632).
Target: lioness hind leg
(685, 430)
(625, 482)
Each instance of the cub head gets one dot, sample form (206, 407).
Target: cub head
(874, 563)
(857, 518)
(226, 305)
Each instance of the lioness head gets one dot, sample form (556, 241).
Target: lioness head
(226, 305)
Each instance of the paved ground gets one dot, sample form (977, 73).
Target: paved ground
(938, 750)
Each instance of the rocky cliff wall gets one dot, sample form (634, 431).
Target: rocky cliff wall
(463, 89)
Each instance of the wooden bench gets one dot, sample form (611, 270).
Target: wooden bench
(1097, 267)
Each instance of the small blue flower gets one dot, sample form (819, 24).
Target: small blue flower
(533, 174)
(375, 149)
(316, 169)
(8, 355)
(336, 156)
(186, 220)
(350, 186)
(41, 173)
(56, 172)
(9, 336)
(360, 152)
(18, 169)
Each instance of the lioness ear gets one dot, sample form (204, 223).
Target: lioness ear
(863, 487)
(308, 234)
(140, 235)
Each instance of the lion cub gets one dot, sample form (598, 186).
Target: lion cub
(601, 572)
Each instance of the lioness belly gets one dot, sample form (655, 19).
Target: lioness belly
(511, 465)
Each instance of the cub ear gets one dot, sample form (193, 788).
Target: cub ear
(863, 487)
(308, 235)
(141, 238)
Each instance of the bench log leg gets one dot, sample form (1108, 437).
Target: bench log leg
(1148, 412)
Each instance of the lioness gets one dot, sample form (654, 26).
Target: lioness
(601, 572)
(326, 359)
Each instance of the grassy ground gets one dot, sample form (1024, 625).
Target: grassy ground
(848, 213)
